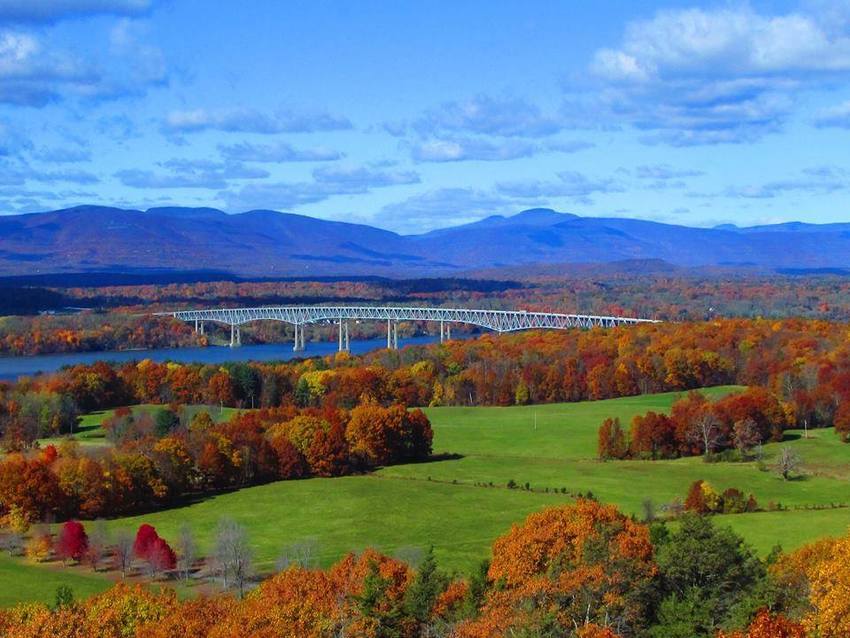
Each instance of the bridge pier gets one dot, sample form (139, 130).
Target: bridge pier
(392, 334)
(298, 346)
(442, 331)
(235, 336)
(344, 343)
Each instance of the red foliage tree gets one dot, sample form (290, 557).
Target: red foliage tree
(146, 536)
(652, 436)
(72, 541)
(328, 452)
(291, 464)
(160, 556)
(695, 501)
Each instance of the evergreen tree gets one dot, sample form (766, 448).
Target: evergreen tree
(423, 591)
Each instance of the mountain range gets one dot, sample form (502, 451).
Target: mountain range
(265, 243)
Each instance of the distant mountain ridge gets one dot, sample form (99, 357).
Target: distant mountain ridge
(273, 244)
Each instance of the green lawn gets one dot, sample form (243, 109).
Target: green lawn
(450, 505)
(355, 512)
(549, 446)
(21, 581)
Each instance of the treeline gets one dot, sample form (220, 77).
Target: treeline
(92, 332)
(158, 461)
(802, 368)
(696, 425)
(576, 571)
(668, 294)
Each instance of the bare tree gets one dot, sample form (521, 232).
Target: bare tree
(123, 552)
(12, 543)
(746, 436)
(232, 555)
(303, 553)
(788, 463)
(705, 431)
(98, 540)
(648, 507)
(187, 551)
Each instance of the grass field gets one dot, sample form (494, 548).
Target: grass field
(449, 503)
(23, 582)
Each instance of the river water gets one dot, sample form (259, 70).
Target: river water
(13, 367)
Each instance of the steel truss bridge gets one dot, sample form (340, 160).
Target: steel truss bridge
(299, 316)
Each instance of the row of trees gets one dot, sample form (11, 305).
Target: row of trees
(741, 420)
(153, 467)
(87, 332)
(577, 571)
(805, 364)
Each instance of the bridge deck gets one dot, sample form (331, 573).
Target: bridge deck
(498, 320)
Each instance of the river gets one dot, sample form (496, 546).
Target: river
(13, 367)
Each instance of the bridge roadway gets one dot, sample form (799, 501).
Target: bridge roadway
(299, 316)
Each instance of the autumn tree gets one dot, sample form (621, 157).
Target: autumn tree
(72, 542)
(611, 440)
(580, 564)
(746, 436)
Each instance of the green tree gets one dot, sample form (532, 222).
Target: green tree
(423, 591)
(64, 597)
(372, 604)
(704, 570)
(165, 422)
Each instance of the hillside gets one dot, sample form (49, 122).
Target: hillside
(269, 243)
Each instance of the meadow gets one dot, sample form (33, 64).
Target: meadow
(462, 501)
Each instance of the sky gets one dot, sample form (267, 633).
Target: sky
(418, 115)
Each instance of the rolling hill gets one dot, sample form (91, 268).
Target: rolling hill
(273, 244)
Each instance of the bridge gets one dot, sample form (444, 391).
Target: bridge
(299, 316)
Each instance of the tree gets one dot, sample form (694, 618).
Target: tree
(291, 463)
(595, 561)
(704, 572)
(423, 591)
(12, 543)
(40, 545)
(328, 452)
(165, 421)
(160, 557)
(72, 542)
(611, 440)
(187, 551)
(98, 540)
(705, 430)
(64, 597)
(145, 537)
(788, 463)
(746, 436)
(122, 554)
(652, 436)
(232, 555)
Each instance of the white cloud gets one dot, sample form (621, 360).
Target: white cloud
(709, 76)
(248, 120)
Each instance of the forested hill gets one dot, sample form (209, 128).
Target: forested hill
(269, 243)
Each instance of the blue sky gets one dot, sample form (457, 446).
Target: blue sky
(417, 115)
